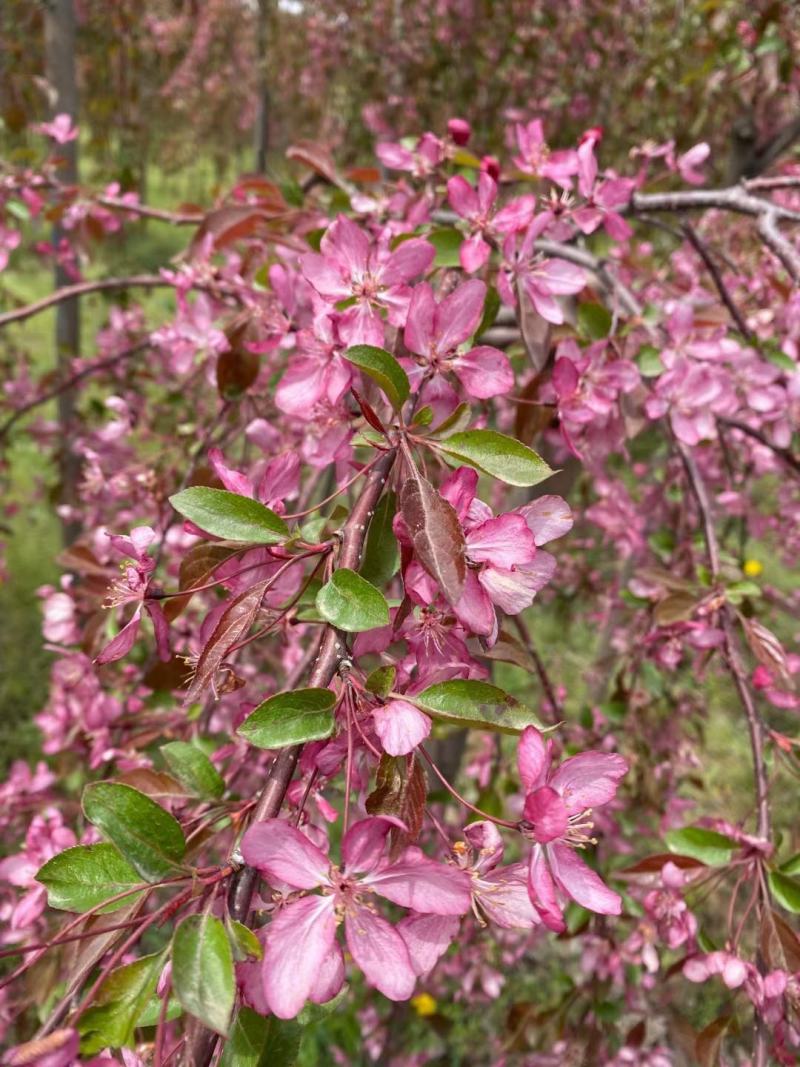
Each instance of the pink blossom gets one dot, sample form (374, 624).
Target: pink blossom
(60, 129)
(603, 200)
(348, 267)
(133, 589)
(535, 156)
(688, 163)
(543, 280)
(477, 207)
(302, 960)
(435, 331)
(557, 814)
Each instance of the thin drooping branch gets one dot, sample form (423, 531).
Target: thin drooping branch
(70, 383)
(703, 251)
(68, 292)
(557, 712)
(788, 457)
(754, 724)
(779, 243)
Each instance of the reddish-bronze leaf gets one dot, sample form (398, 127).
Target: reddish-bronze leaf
(708, 1043)
(653, 865)
(197, 566)
(155, 784)
(436, 534)
(780, 945)
(400, 791)
(368, 412)
(231, 628)
(238, 367)
(767, 649)
(316, 158)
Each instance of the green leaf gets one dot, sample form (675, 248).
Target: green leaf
(146, 835)
(281, 1043)
(351, 603)
(82, 877)
(471, 703)
(244, 943)
(705, 845)
(491, 306)
(792, 865)
(381, 556)
(649, 361)
(494, 453)
(447, 243)
(785, 890)
(384, 369)
(230, 516)
(291, 719)
(120, 1004)
(381, 681)
(202, 971)
(594, 321)
(247, 1037)
(193, 769)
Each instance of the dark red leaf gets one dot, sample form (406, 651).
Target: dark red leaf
(436, 534)
(400, 791)
(368, 412)
(231, 628)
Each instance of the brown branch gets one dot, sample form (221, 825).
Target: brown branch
(788, 457)
(754, 724)
(67, 292)
(703, 251)
(778, 243)
(70, 383)
(735, 198)
(200, 1051)
(174, 218)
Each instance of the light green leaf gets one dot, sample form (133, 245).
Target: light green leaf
(785, 890)
(494, 453)
(120, 1004)
(594, 321)
(146, 835)
(708, 846)
(82, 877)
(351, 603)
(291, 719)
(202, 971)
(792, 865)
(447, 243)
(384, 369)
(193, 769)
(244, 943)
(381, 681)
(472, 703)
(230, 516)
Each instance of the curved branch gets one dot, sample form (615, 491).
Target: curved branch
(68, 292)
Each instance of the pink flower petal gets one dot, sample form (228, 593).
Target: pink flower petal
(458, 315)
(283, 854)
(330, 977)
(121, 645)
(503, 541)
(409, 259)
(548, 517)
(589, 779)
(364, 842)
(325, 276)
(484, 372)
(298, 942)
(400, 727)
(418, 334)
(533, 758)
(417, 882)
(475, 610)
(381, 953)
(346, 243)
(427, 938)
(503, 897)
(463, 197)
(580, 882)
(542, 892)
(546, 811)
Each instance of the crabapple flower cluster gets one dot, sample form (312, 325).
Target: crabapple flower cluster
(318, 481)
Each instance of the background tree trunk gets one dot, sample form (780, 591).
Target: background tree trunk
(262, 117)
(60, 69)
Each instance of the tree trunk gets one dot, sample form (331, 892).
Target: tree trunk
(60, 69)
(262, 117)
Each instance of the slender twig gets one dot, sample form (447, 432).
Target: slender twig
(703, 251)
(788, 457)
(70, 383)
(541, 670)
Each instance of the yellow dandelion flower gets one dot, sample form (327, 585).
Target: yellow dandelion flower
(752, 568)
(424, 1004)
